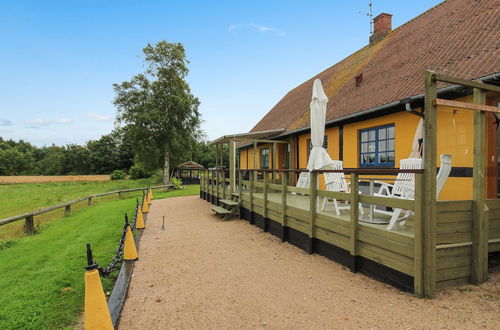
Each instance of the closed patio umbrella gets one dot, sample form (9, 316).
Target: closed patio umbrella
(417, 146)
(319, 158)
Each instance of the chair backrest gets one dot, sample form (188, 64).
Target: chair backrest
(304, 180)
(444, 172)
(406, 181)
(336, 181)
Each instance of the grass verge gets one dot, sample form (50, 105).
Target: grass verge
(20, 198)
(41, 276)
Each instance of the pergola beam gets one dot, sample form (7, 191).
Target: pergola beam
(468, 83)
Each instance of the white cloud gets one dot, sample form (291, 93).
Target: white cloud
(5, 122)
(260, 28)
(97, 117)
(63, 121)
(37, 122)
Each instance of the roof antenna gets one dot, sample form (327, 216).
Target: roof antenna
(369, 14)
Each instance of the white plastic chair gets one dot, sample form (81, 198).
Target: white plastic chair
(337, 182)
(404, 186)
(304, 180)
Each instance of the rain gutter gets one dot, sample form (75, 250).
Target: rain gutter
(416, 100)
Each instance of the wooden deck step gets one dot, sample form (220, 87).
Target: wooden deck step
(228, 202)
(220, 210)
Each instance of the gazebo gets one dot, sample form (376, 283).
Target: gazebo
(189, 172)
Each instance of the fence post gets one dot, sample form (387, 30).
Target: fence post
(240, 188)
(89, 201)
(418, 269)
(284, 187)
(480, 217)
(354, 213)
(430, 159)
(119, 195)
(67, 210)
(29, 225)
(312, 208)
(251, 177)
(265, 198)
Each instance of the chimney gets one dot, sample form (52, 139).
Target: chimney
(382, 25)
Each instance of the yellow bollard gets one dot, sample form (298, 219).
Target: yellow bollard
(150, 197)
(139, 223)
(129, 250)
(96, 312)
(145, 206)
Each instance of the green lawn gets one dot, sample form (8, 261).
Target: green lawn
(21, 198)
(41, 276)
(25, 197)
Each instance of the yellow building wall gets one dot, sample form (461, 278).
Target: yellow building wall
(247, 156)
(243, 159)
(454, 136)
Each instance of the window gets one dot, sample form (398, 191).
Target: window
(310, 145)
(359, 80)
(264, 158)
(376, 146)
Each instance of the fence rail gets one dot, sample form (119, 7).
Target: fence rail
(67, 205)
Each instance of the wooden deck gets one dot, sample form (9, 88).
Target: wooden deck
(393, 256)
(302, 202)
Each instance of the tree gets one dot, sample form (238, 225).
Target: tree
(157, 109)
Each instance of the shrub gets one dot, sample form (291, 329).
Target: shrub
(157, 177)
(138, 172)
(117, 175)
(177, 183)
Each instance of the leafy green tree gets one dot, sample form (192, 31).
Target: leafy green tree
(53, 161)
(156, 108)
(15, 162)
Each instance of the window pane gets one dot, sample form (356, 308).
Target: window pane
(391, 157)
(364, 147)
(383, 157)
(390, 131)
(371, 158)
(381, 146)
(363, 159)
(381, 134)
(372, 135)
(364, 136)
(371, 147)
(325, 142)
(391, 145)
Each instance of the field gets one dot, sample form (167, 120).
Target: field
(41, 276)
(51, 178)
(25, 197)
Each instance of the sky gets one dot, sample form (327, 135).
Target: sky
(59, 59)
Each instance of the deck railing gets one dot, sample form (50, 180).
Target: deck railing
(271, 199)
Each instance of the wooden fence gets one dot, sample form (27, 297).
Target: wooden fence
(29, 216)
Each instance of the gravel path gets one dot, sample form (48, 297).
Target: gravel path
(202, 273)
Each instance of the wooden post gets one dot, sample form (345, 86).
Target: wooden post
(119, 195)
(232, 167)
(251, 177)
(312, 208)
(89, 201)
(255, 160)
(354, 214)
(29, 225)
(240, 184)
(265, 174)
(211, 183)
(430, 159)
(275, 163)
(284, 188)
(67, 210)
(418, 285)
(480, 219)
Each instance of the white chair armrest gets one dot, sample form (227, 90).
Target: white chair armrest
(384, 183)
